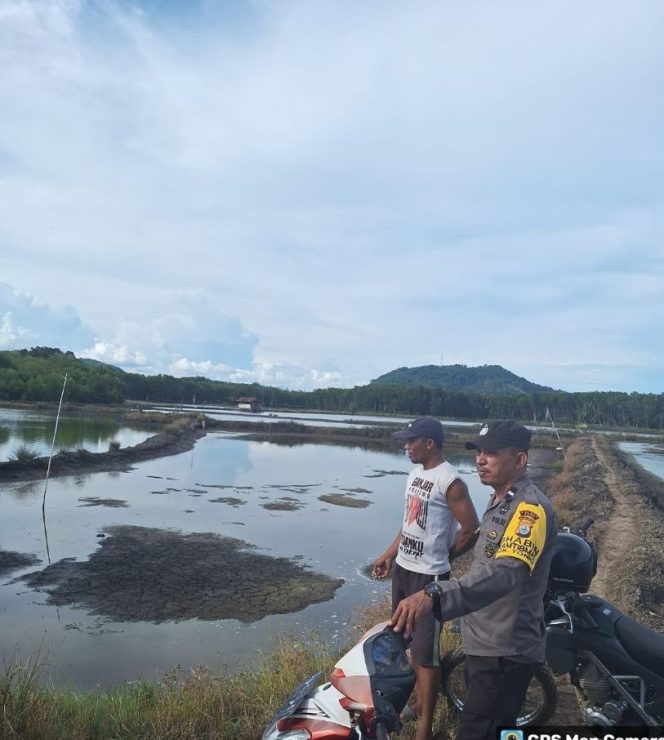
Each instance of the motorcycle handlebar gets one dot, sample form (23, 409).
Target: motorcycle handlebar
(584, 526)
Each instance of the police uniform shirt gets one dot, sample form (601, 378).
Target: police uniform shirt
(502, 594)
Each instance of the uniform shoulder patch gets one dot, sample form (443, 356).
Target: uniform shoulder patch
(524, 535)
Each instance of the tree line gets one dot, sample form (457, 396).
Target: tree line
(37, 375)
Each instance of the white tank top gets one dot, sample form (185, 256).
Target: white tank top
(428, 523)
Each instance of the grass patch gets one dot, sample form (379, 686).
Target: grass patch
(203, 703)
(24, 454)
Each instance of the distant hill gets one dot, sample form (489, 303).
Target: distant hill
(492, 379)
(99, 363)
(454, 391)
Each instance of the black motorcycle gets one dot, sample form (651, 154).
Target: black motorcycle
(615, 664)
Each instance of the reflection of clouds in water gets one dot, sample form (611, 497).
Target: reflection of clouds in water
(224, 468)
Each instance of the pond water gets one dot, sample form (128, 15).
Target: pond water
(34, 430)
(648, 456)
(308, 418)
(182, 493)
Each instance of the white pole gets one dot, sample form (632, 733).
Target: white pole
(55, 431)
(560, 442)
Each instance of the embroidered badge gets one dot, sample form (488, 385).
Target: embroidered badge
(492, 534)
(484, 430)
(525, 535)
(489, 550)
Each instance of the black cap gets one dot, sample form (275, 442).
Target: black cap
(498, 435)
(425, 426)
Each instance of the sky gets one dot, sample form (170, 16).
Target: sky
(310, 194)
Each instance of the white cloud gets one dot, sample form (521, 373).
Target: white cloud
(26, 322)
(315, 193)
(115, 355)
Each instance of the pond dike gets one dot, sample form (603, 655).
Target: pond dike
(77, 462)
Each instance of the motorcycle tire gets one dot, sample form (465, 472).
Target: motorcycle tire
(541, 699)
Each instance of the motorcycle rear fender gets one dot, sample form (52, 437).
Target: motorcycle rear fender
(560, 649)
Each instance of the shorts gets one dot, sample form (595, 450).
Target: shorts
(424, 640)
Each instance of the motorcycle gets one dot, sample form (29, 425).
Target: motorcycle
(363, 699)
(615, 664)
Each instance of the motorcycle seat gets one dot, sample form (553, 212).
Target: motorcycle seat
(642, 644)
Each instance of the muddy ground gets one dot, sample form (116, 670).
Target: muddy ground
(11, 561)
(628, 531)
(628, 527)
(152, 575)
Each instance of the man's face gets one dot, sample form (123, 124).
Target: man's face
(500, 466)
(419, 449)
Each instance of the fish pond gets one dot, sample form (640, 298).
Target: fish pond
(204, 557)
(33, 431)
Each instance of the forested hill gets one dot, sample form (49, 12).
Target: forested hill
(483, 379)
(37, 375)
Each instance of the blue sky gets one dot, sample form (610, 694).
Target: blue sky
(310, 194)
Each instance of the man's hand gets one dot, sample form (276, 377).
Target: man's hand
(409, 611)
(382, 567)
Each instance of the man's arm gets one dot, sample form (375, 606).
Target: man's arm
(383, 563)
(462, 595)
(458, 499)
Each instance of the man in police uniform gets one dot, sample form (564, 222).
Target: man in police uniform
(501, 596)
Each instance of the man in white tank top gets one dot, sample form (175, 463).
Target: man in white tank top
(436, 499)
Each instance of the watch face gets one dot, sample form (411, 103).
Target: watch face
(431, 589)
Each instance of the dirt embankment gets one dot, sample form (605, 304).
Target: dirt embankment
(628, 528)
(628, 532)
(77, 462)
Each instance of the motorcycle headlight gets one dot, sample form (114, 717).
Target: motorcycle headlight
(272, 733)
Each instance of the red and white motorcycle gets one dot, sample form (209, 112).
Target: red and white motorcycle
(363, 699)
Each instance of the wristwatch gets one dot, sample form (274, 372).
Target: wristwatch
(433, 589)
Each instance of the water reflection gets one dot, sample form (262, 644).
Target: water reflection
(26, 489)
(337, 541)
(35, 431)
(649, 456)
